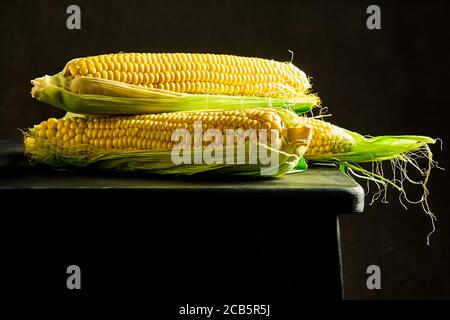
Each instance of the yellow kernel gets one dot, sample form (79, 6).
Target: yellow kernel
(50, 133)
(79, 138)
(117, 75)
(91, 67)
(139, 143)
(135, 141)
(134, 78)
(52, 123)
(267, 117)
(108, 143)
(64, 130)
(42, 133)
(83, 68)
(60, 125)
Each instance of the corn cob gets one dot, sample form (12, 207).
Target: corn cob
(327, 139)
(136, 83)
(150, 131)
(330, 143)
(80, 141)
(193, 73)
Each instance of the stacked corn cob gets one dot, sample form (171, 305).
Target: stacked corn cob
(130, 107)
(141, 100)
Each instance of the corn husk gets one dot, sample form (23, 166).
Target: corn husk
(108, 97)
(402, 153)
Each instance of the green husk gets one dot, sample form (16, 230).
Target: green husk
(149, 161)
(373, 149)
(402, 152)
(122, 98)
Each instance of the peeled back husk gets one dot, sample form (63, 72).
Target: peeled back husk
(401, 153)
(108, 97)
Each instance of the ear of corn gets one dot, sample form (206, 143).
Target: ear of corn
(145, 142)
(144, 83)
(222, 92)
(192, 73)
(330, 143)
(119, 98)
(327, 139)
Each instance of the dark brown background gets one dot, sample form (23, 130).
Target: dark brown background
(388, 81)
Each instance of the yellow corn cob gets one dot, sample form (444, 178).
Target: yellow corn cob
(193, 73)
(153, 131)
(150, 131)
(145, 136)
(326, 138)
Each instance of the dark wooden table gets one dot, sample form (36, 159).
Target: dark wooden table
(177, 239)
